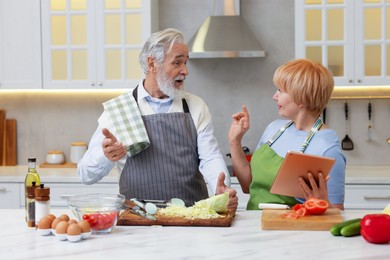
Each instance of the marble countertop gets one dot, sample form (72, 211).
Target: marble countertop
(354, 175)
(243, 240)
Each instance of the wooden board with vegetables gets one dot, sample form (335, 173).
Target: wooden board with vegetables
(210, 212)
(274, 219)
(130, 219)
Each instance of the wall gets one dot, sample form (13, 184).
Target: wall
(52, 121)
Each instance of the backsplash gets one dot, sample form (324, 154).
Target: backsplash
(52, 121)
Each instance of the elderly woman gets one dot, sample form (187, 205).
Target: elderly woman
(303, 90)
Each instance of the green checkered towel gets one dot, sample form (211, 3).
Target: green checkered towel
(127, 124)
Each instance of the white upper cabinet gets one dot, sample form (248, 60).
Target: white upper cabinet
(20, 44)
(94, 43)
(350, 37)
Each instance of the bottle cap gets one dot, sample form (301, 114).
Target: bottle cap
(32, 159)
(42, 193)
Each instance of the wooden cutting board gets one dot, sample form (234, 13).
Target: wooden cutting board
(64, 165)
(9, 146)
(130, 219)
(2, 135)
(272, 219)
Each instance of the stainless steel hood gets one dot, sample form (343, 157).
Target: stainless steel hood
(224, 34)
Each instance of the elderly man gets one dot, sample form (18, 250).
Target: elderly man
(183, 152)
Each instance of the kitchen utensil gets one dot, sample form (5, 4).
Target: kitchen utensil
(369, 131)
(324, 115)
(55, 157)
(272, 219)
(77, 151)
(273, 206)
(104, 205)
(346, 143)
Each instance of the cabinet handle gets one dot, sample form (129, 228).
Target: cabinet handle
(350, 81)
(359, 81)
(93, 84)
(376, 198)
(100, 84)
(3, 189)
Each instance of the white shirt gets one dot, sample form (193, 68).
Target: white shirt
(95, 165)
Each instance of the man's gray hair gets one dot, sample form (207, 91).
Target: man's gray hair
(158, 45)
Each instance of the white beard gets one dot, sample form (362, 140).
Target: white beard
(167, 86)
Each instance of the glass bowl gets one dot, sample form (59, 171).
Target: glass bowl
(99, 209)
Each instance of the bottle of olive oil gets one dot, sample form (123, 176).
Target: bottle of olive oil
(32, 180)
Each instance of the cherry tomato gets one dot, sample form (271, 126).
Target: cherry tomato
(316, 206)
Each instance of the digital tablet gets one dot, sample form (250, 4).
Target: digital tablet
(295, 165)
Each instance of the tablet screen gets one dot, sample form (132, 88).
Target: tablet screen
(295, 165)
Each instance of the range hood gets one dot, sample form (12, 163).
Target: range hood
(224, 34)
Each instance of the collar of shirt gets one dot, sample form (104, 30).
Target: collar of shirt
(158, 105)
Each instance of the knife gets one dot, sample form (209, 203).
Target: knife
(273, 206)
(136, 208)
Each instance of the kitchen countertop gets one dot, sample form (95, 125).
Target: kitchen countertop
(354, 175)
(244, 239)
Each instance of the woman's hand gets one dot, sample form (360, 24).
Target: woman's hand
(112, 149)
(240, 125)
(318, 191)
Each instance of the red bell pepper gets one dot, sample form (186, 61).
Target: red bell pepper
(375, 228)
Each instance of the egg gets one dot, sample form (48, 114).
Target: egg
(55, 222)
(84, 225)
(64, 217)
(45, 223)
(73, 229)
(51, 216)
(61, 227)
(71, 221)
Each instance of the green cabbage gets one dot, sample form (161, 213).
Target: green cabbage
(218, 203)
(203, 209)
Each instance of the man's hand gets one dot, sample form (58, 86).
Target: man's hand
(112, 149)
(222, 188)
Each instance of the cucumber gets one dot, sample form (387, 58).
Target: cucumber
(350, 230)
(336, 229)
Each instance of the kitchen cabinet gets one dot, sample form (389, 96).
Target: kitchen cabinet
(94, 43)
(367, 196)
(20, 44)
(350, 37)
(10, 195)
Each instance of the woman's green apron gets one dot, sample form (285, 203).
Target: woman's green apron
(265, 164)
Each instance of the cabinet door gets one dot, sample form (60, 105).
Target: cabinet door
(68, 43)
(372, 42)
(324, 33)
(94, 43)
(350, 37)
(9, 196)
(367, 196)
(20, 49)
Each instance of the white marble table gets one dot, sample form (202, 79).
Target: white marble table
(243, 240)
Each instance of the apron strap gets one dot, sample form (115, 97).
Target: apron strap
(314, 129)
(183, 100)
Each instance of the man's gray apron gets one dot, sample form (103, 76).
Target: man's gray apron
(169, 168)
